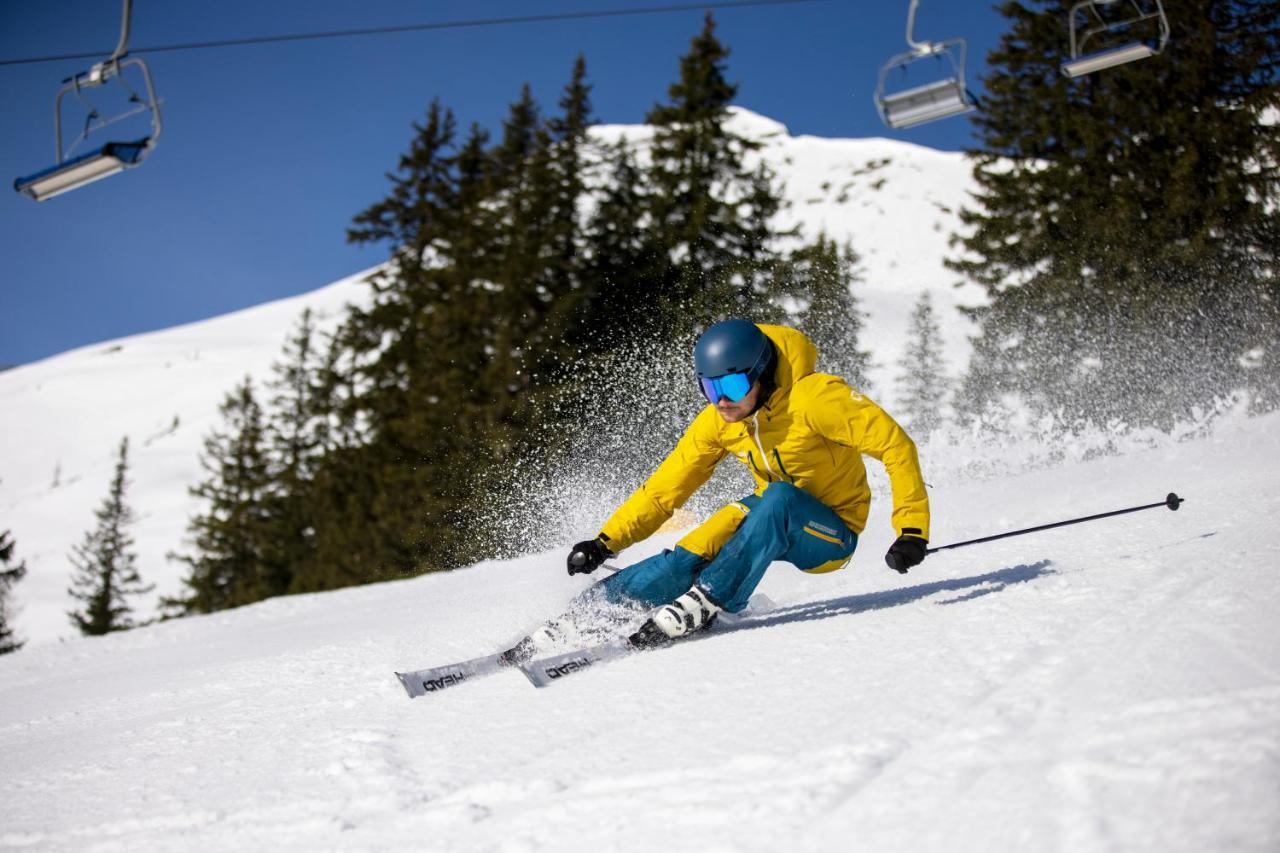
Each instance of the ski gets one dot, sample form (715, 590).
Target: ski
(438, 678)
(546, 671)
(549, 670)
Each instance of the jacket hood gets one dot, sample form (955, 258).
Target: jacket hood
(797, 358)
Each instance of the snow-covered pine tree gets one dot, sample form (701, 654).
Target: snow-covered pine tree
(922, 384)
(106, 573)
(11, 571)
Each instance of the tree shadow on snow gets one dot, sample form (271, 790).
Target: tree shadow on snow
(969, 589)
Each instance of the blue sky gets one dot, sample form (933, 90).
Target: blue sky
(268, 151)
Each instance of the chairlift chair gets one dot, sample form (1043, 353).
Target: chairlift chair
(929, 102)
(69, 172)
(1111, 19)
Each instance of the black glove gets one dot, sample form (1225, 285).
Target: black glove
(908, 551)
(587, 556)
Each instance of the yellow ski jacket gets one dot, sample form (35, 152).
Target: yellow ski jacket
(811, 432)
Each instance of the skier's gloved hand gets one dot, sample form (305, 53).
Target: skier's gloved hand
(908, 551)
(587, 556)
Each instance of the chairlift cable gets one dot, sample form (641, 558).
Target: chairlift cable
(444, 25)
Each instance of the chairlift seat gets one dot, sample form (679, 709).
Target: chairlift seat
(1104, 59)
(921, 104)
(84, 169)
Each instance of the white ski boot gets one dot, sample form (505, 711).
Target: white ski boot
(688, 614)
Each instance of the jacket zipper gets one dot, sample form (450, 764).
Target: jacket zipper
(764, 457)
(783, 468)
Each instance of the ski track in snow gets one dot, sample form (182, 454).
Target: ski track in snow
(1110, 686)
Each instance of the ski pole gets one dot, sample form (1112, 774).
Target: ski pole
(1172, 502)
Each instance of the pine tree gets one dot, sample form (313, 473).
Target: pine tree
(297, 434)
(106, 575)
(234, 545)
(624, 257)
(413, 356)
(823, 276)
(713, 214)
(1128, 227)
(922, 384)
(11, 571)
(570, 146)
(534, 275)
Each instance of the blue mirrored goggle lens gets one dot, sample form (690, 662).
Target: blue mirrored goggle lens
(735, 386)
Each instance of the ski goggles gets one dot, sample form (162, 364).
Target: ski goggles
(735, 386)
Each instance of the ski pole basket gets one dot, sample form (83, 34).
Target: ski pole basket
(71, 172)
(1107, 33)
(937, 99)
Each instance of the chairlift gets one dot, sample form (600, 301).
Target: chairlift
(1116, 21)
(932, 101)
(71, 172)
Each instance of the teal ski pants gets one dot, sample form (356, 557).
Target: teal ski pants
(785, 523)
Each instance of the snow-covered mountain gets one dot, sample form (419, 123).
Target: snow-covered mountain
(1108, 686)
(64, 416)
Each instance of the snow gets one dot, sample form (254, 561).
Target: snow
(1107, 686)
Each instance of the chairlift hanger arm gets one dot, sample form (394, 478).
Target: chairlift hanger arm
(101, 72)
(122, 47)
(919, 48)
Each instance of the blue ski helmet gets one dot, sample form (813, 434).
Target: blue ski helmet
(729, 358)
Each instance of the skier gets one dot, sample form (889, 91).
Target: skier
(802, 435)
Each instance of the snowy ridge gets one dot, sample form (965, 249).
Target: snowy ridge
(64, 416)
(1110, 686)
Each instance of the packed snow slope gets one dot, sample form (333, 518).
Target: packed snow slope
(1113, 686)
(62, 418)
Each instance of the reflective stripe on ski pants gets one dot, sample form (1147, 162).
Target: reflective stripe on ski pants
(728, 554)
